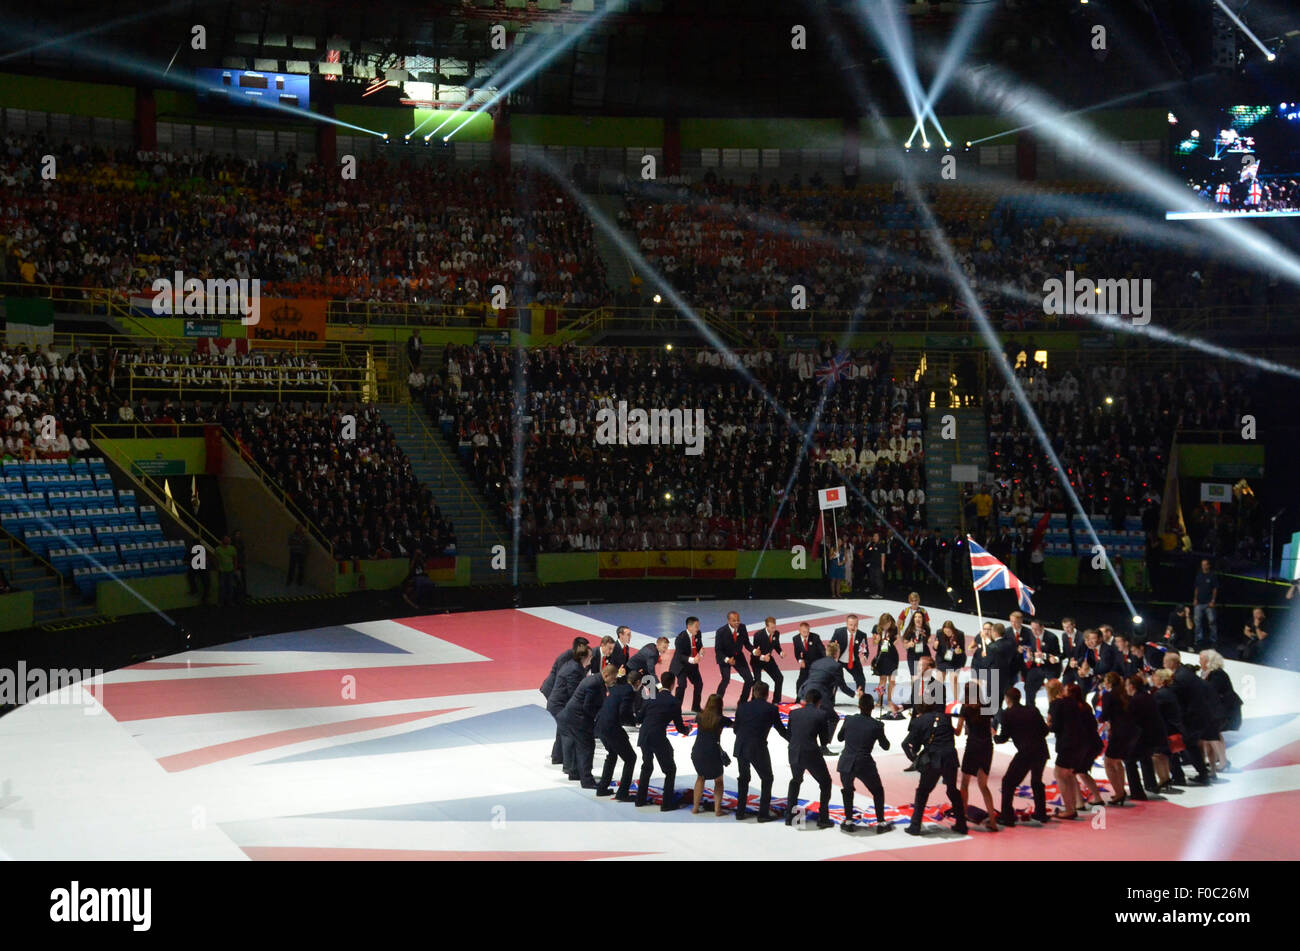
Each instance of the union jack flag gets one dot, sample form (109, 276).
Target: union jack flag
(835, 369)
(1018, 320)
(1254, 194)
(990, 574)
(1221, 194)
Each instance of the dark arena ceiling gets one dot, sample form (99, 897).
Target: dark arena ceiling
(654, 57)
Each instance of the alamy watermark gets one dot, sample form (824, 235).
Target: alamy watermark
(194, 297)
(656, 427)
(1122, 297)
(25, 684)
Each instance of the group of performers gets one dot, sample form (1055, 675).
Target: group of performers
(1138, 706)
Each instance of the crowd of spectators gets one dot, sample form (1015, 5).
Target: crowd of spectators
(577, 493)
(50, 400)
(361, 493)
(434, 234)
(213, 369)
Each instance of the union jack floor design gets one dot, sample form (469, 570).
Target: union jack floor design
(426, 738)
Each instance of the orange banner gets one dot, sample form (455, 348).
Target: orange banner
(289, 322)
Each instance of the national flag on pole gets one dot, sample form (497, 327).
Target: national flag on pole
(989, 574)
(835, 498)
(1254, 194)
(1221, 194)
(837, 368)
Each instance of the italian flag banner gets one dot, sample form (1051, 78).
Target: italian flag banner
(29, 321)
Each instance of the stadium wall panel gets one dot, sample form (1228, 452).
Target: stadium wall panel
(16, 610)
(65, 96)
(139, 595)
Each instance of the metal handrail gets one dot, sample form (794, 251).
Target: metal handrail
(453, 466)
(228, 389)
(102, 441)
(63, 582)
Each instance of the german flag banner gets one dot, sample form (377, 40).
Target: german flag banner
(713, 564)
(442, 568)
(624, 564)
(669, 564)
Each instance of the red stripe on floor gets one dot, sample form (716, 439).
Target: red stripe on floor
(267, 741)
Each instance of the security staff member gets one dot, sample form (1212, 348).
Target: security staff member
(807, 648)
(860, 733)
(1024, 726)
(687, 654)
(853, 643)
(930, 744)
(1042, 654)
(810, 731)
(614, 712)
(653, 740)
(729, 644)
(755, 718)
(579, 721)
(567, 679)
(767, 647)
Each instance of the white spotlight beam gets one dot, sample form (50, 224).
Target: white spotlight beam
(1245, 29)
(1141, 176)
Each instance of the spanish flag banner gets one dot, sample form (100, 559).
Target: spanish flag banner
(713, 564)
(624, 564)
(669, 564)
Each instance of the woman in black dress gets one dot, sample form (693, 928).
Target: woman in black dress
(885, 664)
(707, 755)
(1089, 744)
(950, 655)
(1063, 724)
(916, 638)
(1123, 736)
(1227, 709)
(977, 759)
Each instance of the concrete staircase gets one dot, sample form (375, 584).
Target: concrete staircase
(618, 269)
(27, 574)
(436, 465)
(970, 447)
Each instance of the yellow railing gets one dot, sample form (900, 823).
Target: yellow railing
(176, 380)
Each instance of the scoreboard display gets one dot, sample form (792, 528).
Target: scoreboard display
(248, 87)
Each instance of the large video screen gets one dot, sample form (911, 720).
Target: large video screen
(247, 87)
(1242, 160)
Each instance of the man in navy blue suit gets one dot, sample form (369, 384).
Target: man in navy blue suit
(729, 644)
(658, 713)
(755, 718)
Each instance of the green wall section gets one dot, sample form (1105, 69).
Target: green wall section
(399, 121)
(191, 451)
(761, 133)
(67, 97)
(138, 595)
(16, 610)
(568, 566)
(1223, 462)
(775, 564)
(384, 574)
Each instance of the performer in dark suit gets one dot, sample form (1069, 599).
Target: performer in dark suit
(685, 666)
(807, 648)
(1071, 644)
(729, 644)
(614, 712)
(1025, 727)
(1042, 658)
(1152, 740)
(566, 681)
(622, 652)
(754, 719)
(605, 655)
(860, 733)
(767, 647)
(854, 648)
(640, 674)
(1196, 698)
(826, 676)
(549, 682)
(810, 732)
(1094, 660)
(579, 721)
(653, 741)
(930, 744)
(1129, 658)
